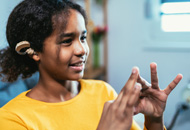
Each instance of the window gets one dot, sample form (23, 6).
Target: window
(175, 15)
(169, 26)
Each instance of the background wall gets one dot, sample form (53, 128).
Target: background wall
(130, 34)
(5, 9)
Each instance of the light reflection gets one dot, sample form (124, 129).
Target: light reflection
(177, 7)
(175, 17)
(176, 23)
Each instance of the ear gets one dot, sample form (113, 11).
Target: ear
(35, 57)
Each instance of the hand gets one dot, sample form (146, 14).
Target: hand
(152, 101)
(118, 114)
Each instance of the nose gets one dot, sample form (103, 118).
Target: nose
(80, 48)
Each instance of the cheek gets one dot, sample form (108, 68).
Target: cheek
(48, 55)
(65, 55)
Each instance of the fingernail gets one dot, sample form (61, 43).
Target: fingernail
(138, 86)
(134, 70)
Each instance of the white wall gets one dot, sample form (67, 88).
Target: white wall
(129, 34)
(5, 9)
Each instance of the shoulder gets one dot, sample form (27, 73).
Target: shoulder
(99, 87)
(98, 84)
(5, 114)
(9, 121)
(16, 103)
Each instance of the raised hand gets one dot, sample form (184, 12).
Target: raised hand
(152, 100)
(118, 114)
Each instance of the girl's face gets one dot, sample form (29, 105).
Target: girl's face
(65, 52)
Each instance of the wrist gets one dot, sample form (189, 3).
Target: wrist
(154, 123)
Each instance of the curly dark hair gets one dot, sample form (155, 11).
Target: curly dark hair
(32, 21)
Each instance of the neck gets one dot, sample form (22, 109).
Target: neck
(54, 91)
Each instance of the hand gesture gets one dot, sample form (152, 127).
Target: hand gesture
(118, 114)
(152, 100)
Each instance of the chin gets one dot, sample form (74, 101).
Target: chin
(77, 76)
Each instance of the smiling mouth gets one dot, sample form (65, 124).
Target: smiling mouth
(78, 64)
(78, 67)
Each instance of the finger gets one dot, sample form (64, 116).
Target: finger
(118, 99)
(106, 107)
(129, 87)
(154, 77)
(134, 98)
(143, 82)
(132, 80)
(173, 84)
(134, 95)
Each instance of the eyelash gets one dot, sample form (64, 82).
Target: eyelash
(68, 41)
(83, 38)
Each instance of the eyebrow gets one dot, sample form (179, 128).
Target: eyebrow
(70, 34)
(66, 35)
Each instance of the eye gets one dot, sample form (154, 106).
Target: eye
(67, 41)
(83, 38)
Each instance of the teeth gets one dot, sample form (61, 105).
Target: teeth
(79, 64)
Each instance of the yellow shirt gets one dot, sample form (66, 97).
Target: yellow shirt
(82, 112)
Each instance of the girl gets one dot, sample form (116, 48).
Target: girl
(49, 36)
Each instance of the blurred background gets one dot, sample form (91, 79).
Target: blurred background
(127, 33)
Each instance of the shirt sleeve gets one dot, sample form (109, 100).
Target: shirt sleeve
(10, 121)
